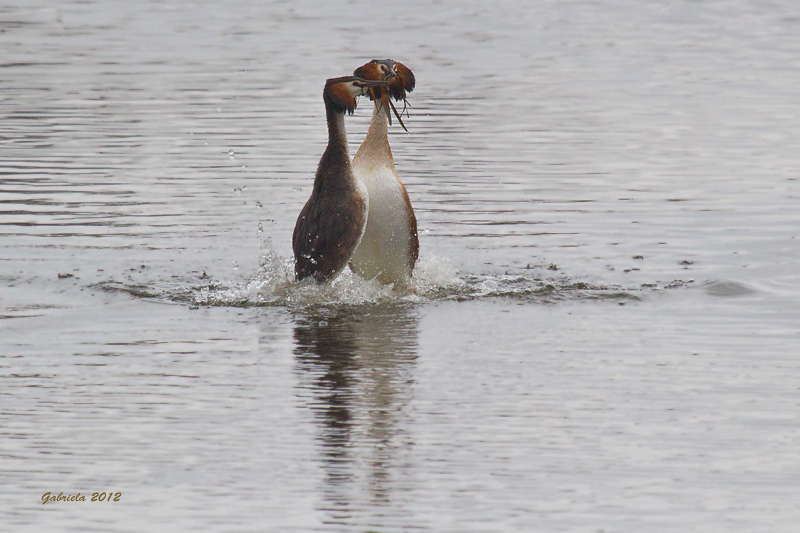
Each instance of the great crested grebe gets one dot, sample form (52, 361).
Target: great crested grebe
(390, 246)
(332, 222)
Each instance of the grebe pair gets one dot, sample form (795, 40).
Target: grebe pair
(359, 213)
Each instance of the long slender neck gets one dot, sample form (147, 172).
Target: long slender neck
(337, 136)
(334, 169)
(376, 144)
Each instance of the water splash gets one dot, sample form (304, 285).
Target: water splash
(435, 279)
(274, 285)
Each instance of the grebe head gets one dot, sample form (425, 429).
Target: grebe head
(341, 93)
(400, 81)
(377, 69)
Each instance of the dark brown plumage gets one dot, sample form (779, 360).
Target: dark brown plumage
(406, 82)
(332, 222)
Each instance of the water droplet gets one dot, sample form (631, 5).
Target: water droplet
(260, 228)
(259, 205)
(489, 285)
(235, 265)
(219, 110)
(230, 153)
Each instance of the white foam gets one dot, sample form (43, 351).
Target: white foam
(435, 272)
(274, 284)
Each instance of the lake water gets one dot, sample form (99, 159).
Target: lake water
(604, 333)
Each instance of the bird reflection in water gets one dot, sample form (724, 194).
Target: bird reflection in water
(355, 374)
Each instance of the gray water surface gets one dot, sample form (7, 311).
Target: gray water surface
(604, 330)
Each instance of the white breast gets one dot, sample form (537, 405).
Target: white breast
(385, 249)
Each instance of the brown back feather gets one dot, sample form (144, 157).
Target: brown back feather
(326, 234)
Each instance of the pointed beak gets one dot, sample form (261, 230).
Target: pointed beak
(367, 85)
(389, 75)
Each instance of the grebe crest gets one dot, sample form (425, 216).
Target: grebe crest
(401, 79)
(400, 82)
